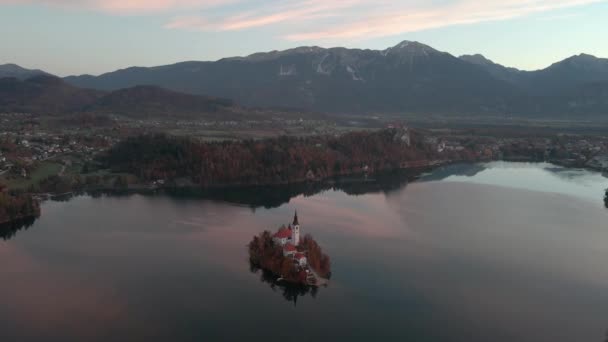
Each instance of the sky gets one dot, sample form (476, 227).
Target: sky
(70, 37)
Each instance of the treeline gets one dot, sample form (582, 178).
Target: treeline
(271, 161)
(17, 206)
(56, 184)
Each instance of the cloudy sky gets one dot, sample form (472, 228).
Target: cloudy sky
(95, 36)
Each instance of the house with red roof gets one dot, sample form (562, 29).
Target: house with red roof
(300, 258)
(282, 236)
(289, 249)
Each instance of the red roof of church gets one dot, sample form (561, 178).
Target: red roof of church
(299, 256)
(289, 247)
(283, 233)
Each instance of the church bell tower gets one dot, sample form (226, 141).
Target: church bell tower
(295, 230)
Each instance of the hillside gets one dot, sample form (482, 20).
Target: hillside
(49, 95)
(511, 75)
(44, 95)
(567, 75)
(13, 70)
(151, 101)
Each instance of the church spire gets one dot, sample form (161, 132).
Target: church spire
(295, 219)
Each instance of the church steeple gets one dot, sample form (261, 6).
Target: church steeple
(295, 219)
(295, 230)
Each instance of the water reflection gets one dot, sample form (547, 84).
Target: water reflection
(436, 261)
(466, 169)
(289, 291)
(269, 197)
(10, 229)
(540, 177)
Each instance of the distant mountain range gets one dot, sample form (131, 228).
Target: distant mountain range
(45, 94)
(408, 78)
(557, 79)
(13, 70)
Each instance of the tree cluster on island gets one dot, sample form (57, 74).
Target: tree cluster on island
(267, 255)
(606, 199)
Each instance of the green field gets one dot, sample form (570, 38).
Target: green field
(44, 170)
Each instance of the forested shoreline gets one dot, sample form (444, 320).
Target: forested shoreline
(15, 206)
(273, 161)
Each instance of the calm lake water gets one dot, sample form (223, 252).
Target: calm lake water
(488, 252)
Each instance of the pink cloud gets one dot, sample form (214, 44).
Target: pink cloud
(362, 19)
(396, 19)
(297, 20)
(265, 16)
(124, 6)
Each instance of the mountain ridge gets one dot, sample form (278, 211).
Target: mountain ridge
(410, 77)
(14, 70)
(558, 78)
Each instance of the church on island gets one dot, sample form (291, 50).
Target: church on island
(289, 238)
(289, 256)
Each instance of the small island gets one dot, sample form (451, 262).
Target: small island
(289, 257)
(606, 199)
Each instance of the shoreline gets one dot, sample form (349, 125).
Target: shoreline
(345, 178)
(353, 178)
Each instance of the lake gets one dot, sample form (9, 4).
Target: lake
(485, 252)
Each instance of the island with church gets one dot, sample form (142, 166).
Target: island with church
(290, 257)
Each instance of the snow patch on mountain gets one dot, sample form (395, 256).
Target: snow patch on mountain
(289, 70)
(321, 69)
(354, 73)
